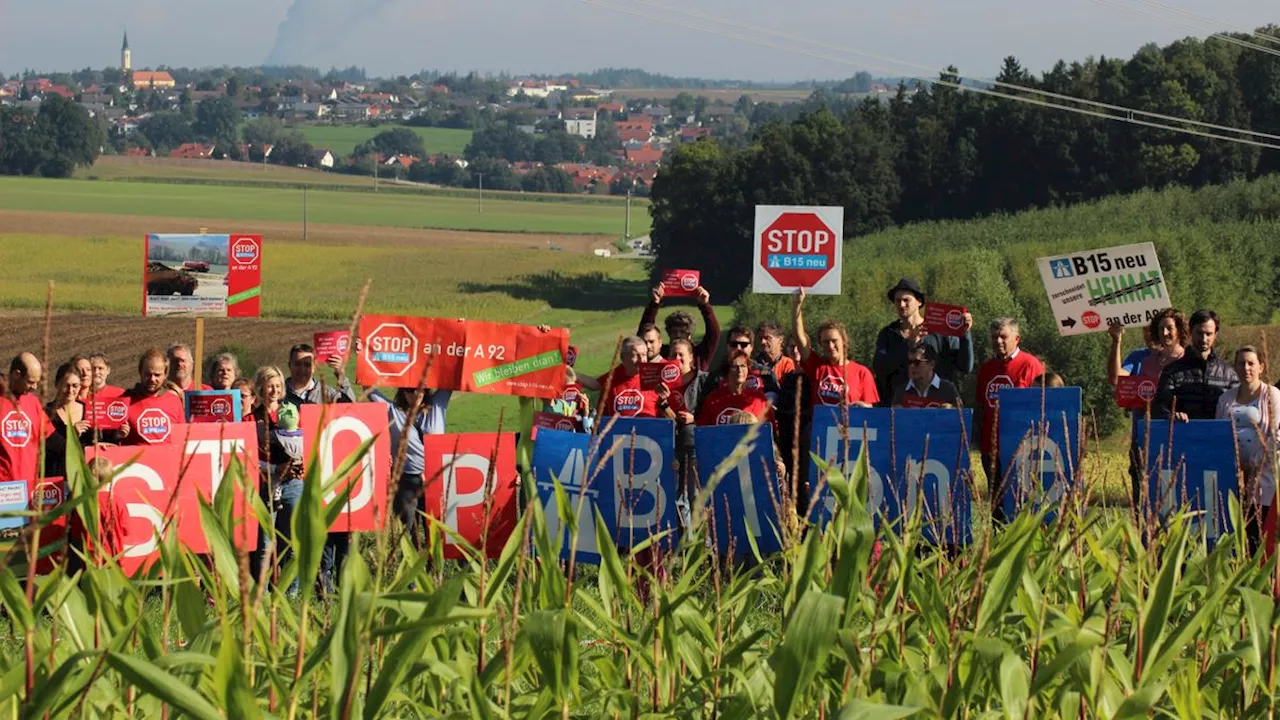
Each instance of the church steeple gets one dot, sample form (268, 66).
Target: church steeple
(125, 46)
(126, 57)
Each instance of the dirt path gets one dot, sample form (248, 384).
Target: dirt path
(102, 224)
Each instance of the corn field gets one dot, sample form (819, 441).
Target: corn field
(1080, 617)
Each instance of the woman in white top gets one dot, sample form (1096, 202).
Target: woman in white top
(1255, 411)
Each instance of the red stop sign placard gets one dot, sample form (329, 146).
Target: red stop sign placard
(391, 349)
(798, 247)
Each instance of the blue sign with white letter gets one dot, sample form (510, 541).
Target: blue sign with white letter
(629, 474)
(913, 455)
(747, 496)
(1039, 434)
(1197, 470)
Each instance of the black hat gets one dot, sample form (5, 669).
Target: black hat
(910, 286)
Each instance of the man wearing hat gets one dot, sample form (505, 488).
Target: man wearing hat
(955, 354)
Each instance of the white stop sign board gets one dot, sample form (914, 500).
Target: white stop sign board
(797, 247)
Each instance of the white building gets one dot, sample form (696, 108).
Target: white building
(581, 128)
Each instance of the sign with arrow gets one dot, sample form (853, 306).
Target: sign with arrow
(1094, 290)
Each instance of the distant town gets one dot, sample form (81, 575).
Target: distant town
(545, 134)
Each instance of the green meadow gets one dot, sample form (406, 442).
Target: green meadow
(342, 139)
(323, 206)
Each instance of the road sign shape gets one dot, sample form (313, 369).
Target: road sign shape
(796, 247)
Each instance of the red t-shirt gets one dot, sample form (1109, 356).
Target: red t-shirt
(828, 380)
(153, 419)
(1017, 372)
(20, 438)
(625, 396)
(95, 405)
(719, 407)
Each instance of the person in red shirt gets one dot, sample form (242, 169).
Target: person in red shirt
(1010, 367)
(155, 404)
(97, 395)
(733, 396)
(23, 422)
(832, 377)
(621, 387)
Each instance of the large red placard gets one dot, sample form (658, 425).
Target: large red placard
(463, 355)
(456, 470)
(333, 433)
(161, 484)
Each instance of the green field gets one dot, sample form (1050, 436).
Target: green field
(342, 139)
(324, 206)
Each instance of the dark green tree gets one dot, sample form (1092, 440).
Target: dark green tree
(217, 120)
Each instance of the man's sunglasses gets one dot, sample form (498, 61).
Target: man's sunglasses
(740, 343)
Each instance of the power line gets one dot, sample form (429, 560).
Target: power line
(1128, 111)
(1212, 35)
(932, 69)
(1129, 118)
(1209, 20)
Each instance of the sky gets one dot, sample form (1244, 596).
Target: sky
(389, 37)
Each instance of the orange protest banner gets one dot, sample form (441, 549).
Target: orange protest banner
(463, 355)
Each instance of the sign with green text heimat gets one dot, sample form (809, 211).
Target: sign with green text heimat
(1091, 291)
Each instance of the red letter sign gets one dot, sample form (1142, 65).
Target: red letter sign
(336, 432)
(456, 469)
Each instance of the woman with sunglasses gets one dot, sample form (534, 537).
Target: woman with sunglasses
(735, 395)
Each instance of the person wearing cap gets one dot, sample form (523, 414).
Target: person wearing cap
(954, 354)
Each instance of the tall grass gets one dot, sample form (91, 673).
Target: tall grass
(1077, 618)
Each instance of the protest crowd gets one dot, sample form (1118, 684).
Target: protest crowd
(780, 374)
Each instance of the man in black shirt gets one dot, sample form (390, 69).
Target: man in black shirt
(1191, 385)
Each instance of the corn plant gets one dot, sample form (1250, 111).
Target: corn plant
(1080, 617)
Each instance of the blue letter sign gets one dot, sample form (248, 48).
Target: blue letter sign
(1039, 437)
(746, 500)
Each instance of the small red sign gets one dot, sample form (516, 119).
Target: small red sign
(1133, 392)
(1091, 319)
(940, 319)
(659, 373)
(328, 344)
(555, 421)
(681, 283)
(212, 406)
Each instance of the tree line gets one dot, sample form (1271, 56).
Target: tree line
(939, 153)
(50, 143)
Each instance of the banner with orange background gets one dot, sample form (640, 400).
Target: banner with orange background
(462, 355)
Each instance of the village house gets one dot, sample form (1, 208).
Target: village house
(145, 79)
(192, 151)
(646, 154)
(322, 157)
(580, 122)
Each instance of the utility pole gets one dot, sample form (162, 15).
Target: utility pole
(375, 172)
(627, 232)
(304, 213)
(480, 200)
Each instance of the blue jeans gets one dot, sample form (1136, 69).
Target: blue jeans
(290, 494)
(281, 533)
(331, 560)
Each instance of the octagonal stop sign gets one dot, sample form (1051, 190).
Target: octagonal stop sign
(391, 349)
(798, 247)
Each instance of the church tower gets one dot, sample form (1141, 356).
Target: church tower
(126, 63)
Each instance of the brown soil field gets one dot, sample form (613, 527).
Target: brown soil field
(57, 223)
(123, 338)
